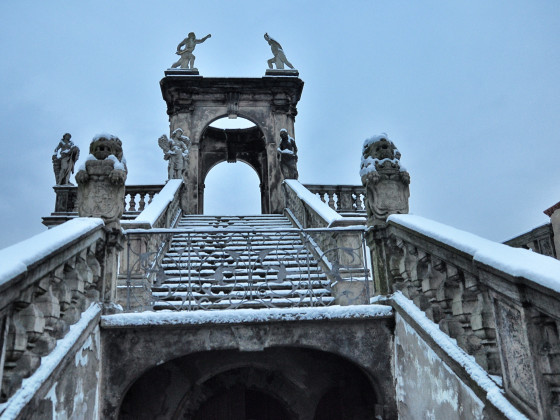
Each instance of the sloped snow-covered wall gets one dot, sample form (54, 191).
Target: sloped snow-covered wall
(426, 388)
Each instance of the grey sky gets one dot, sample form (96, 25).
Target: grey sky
(468, 91)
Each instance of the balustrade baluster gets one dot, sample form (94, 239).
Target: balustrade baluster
(142, 204)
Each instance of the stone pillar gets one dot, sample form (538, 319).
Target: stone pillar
(101, 194)
(387, 192)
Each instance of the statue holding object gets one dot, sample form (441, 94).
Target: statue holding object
(176, 152)
(64, 158)
(287, 151)
(185, 50)
(279, 57)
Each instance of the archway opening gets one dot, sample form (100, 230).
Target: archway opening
(231, 190)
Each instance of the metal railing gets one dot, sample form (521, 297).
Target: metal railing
(192, 269)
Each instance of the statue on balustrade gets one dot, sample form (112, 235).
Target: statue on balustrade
(279, 57)
(185, 50)
(64, 158)
(385, 179)
(176, 152)
(101, 181)
(287, 152)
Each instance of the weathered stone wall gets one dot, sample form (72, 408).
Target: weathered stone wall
(72, 390)
(425, 386)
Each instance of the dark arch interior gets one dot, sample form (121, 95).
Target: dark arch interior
(273, 384)
(230, 145)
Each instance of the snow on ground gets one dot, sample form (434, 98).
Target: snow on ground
(516, 262)
(494, 393)
(322, 209)
(159, 203)
(15, 259)
(236, 316)
(11, 409)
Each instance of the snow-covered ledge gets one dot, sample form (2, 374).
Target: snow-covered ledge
(501, 304)
(161, 210)
(46, 282)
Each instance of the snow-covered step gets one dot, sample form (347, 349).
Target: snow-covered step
(227, 265)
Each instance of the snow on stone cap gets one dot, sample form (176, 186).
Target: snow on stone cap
(373, 139)
(104, 136)
(516, 262)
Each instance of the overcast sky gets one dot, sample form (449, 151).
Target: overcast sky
(468, 90)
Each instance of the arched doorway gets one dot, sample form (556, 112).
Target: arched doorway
(273, 384)
(231, 145)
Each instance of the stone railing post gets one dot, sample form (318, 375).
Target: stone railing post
(101, 193)
(387, 191)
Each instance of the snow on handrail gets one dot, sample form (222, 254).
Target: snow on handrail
(151, 214)
(17, 259)
(516, 262)
(322, 209)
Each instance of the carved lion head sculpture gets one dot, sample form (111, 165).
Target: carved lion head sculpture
(104, 145)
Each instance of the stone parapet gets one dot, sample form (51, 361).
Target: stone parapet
(499, 303)
(46, 283)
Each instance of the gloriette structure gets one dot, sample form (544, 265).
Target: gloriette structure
(334, 303)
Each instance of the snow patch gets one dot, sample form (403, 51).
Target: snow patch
(322, 209)
(238, 316)
(160, 202)
(516, 262)
(16, 259)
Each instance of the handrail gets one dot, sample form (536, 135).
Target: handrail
(46, 282)
(499, 303)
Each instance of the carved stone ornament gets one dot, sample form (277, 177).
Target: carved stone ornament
(287, 154)
(176, 152)
(279, 58)
(386, 181)
(101, 181)
(64, 158)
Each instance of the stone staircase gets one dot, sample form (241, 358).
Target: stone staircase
(230, 262)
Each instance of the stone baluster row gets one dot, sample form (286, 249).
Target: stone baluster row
(43, 312)
(342, 198)
(451, 296)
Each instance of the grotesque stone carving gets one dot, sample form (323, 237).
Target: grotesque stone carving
(287, 151)
(187, 57)
(386, 181)
(64, 158)
(176, 152)
(101, 181)
(279, 57)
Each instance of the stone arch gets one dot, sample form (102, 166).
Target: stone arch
(194, 102)
(247, 145)
(298, 379)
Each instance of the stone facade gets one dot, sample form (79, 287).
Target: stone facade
(194, 102)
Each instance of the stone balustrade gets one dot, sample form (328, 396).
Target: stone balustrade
(340, 251)
(46, 283)
(342, 198)
(163, 212)
(137, 197)
(499, 303)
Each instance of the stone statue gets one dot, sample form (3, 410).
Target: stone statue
(287, 151)
(176, 152)
(187, 57)
(386, 181)
(101, 181)
(279, 57)
(64, 158)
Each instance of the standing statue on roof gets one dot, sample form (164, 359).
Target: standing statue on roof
(279, 57)
(287, 151)
(185, 49)
(64, 158)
